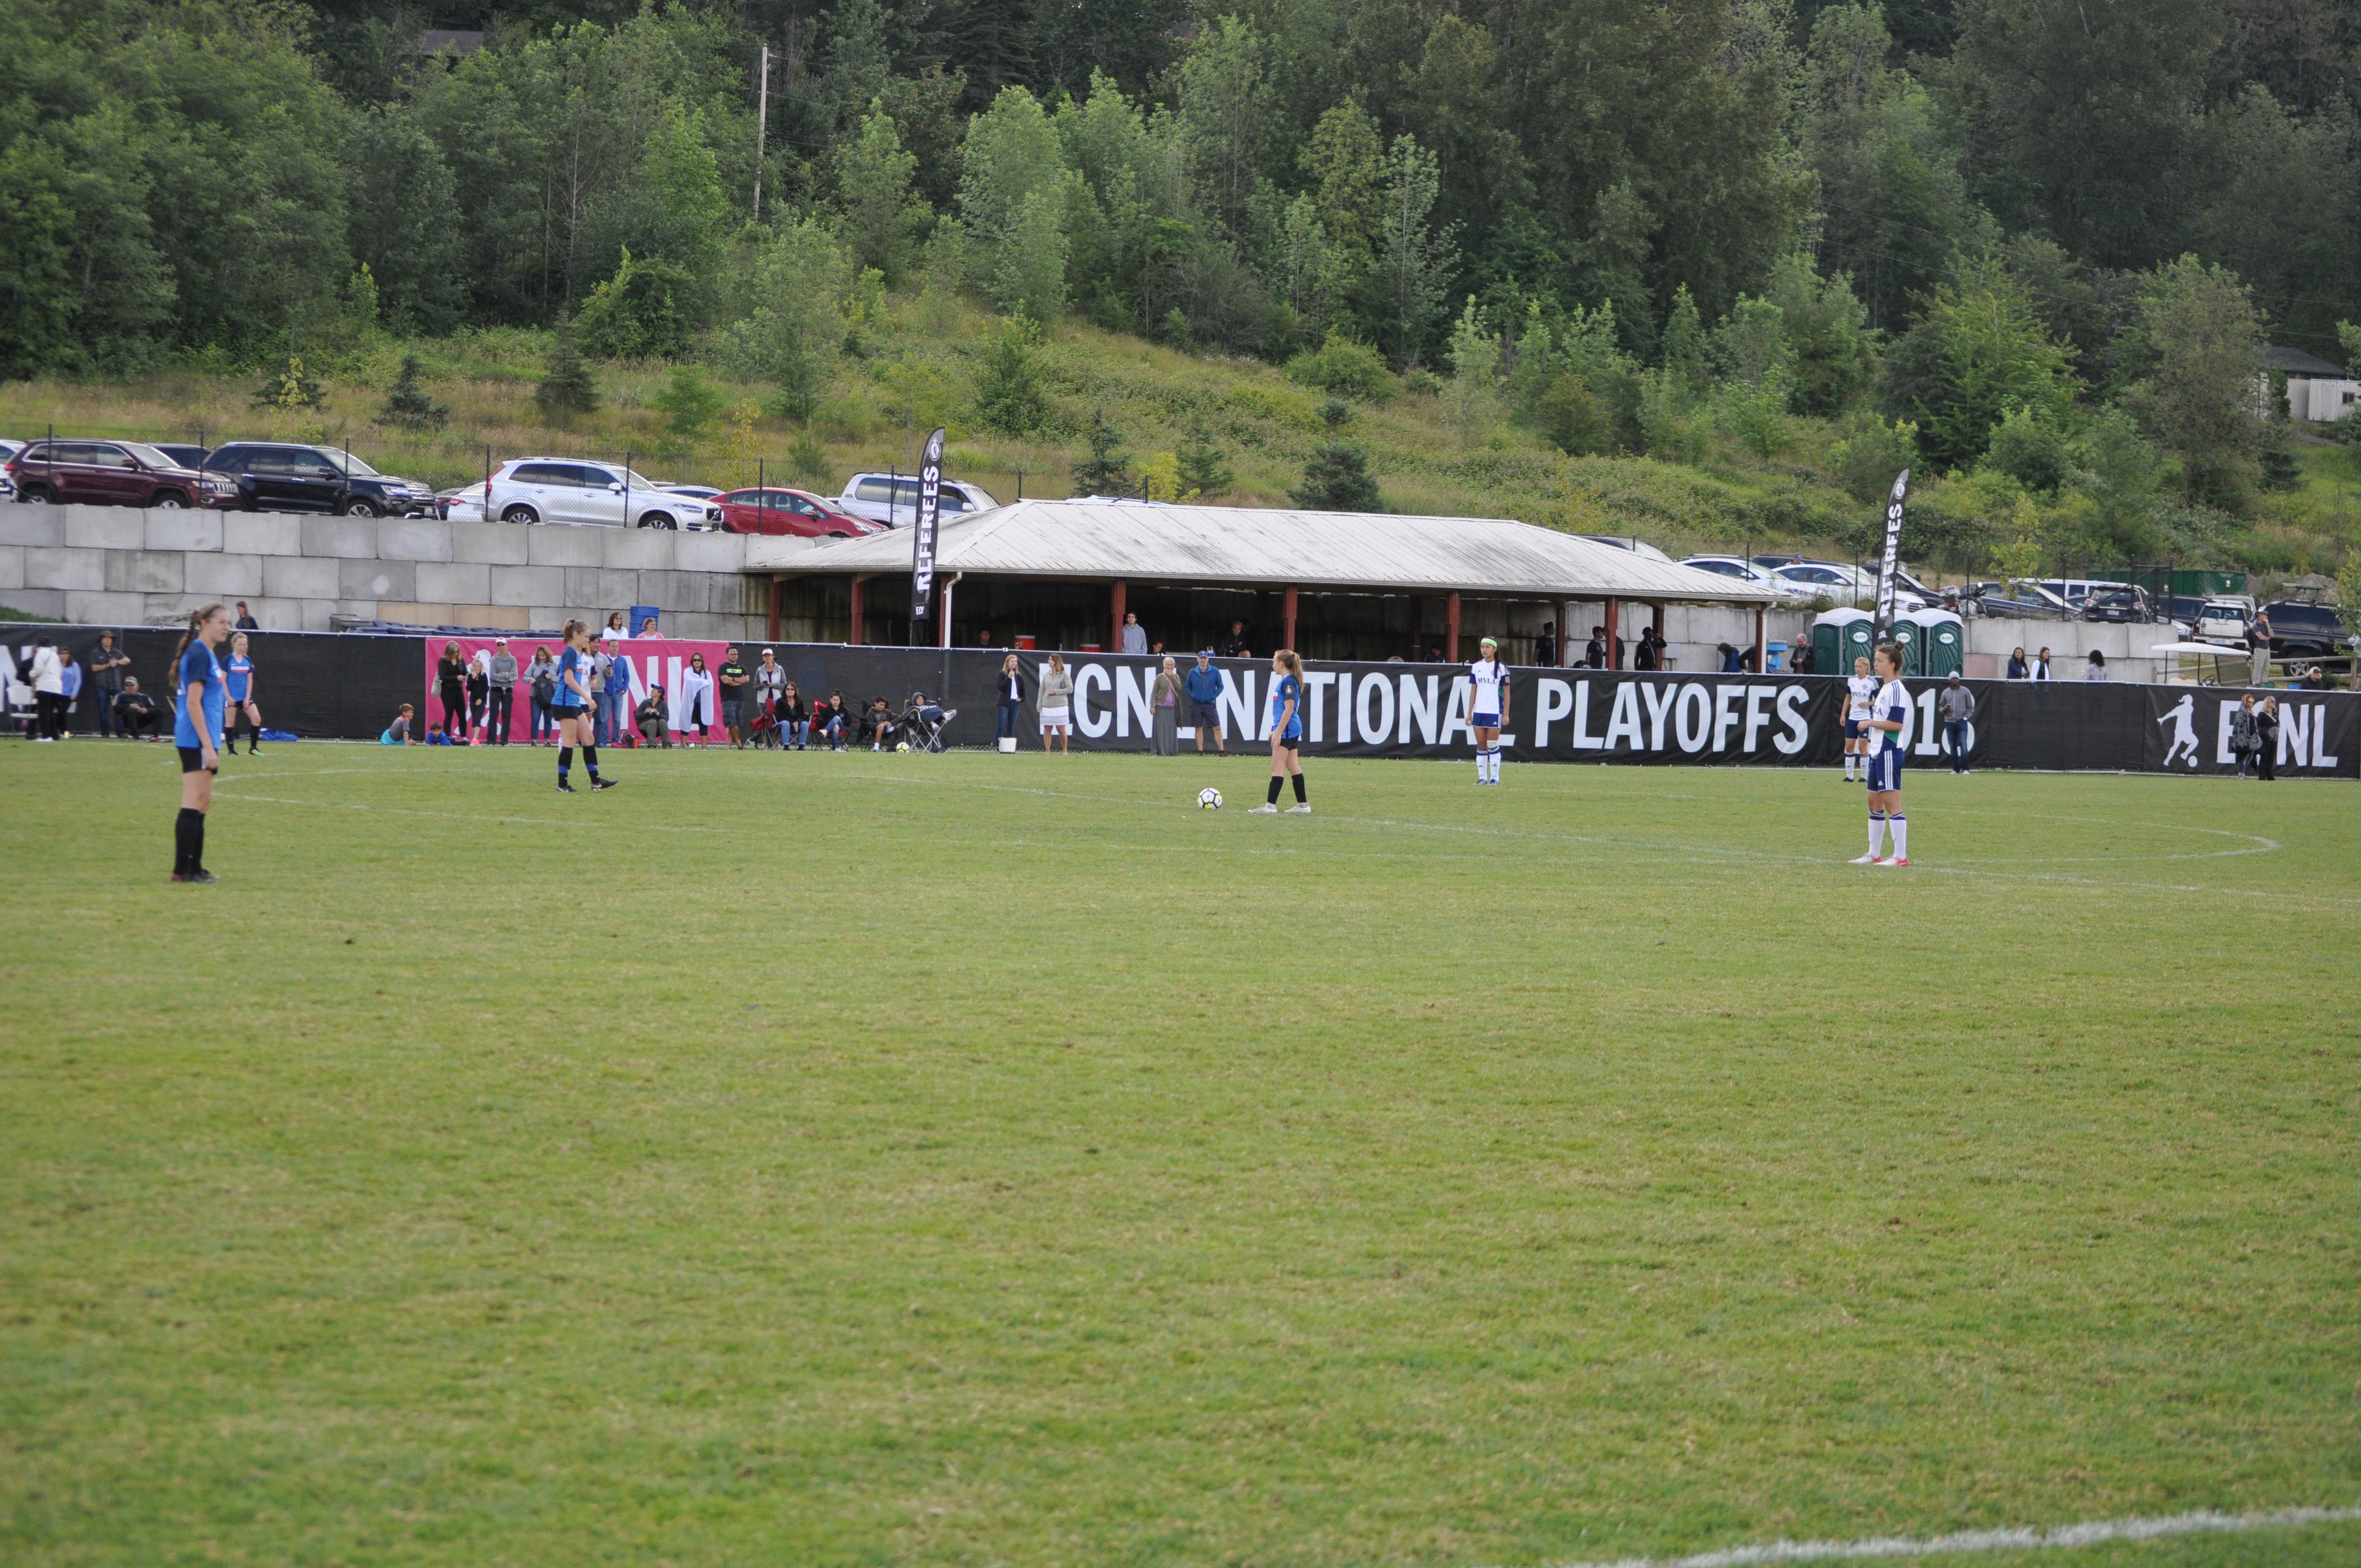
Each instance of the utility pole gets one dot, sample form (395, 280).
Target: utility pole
(761, 128)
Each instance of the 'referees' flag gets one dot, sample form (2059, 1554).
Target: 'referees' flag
(922, 545)
(1891, 560)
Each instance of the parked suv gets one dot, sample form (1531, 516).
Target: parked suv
(113, 473)
(275, 475)
(569, 490)
(2305, 630)
(892, 498)
(2223, 620)
(2123, 607)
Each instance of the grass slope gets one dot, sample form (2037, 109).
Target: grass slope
(858, 1159)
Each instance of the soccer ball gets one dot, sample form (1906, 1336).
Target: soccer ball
(1209, 800)
(901, 746)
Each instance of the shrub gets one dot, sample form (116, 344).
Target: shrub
(646, 311)
(1349, 368)
(406, 402)
(1010, 393)
(566, 386)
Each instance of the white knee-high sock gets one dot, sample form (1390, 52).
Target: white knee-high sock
(1496, 765)
(1901, 835)
(1876, 832)
(1848, 764)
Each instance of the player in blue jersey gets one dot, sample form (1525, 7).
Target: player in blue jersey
(239, 669)
(575, 706)
(1487, 700)
(1286, 731)
(200, 688)
(1887, 716)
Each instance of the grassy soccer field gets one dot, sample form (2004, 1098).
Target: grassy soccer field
(970, 1160)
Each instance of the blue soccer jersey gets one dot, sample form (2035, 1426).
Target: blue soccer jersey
(241, 674)
(1285, 690)
(571, 664)
(199, 668)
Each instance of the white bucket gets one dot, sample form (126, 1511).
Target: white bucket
(1008, 742)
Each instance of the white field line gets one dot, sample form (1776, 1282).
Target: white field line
(2064, 1537)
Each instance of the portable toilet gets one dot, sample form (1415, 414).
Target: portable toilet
(1943, 642)
(1839, 637)
(1911, 638)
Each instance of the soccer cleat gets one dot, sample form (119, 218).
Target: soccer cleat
(1869, 859)
(1300, 808)
(194, 876)
(564, 788)
(602, 784)
(1896, 860)
(1264, 810)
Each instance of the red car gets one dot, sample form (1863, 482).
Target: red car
(777, 509)
(114, 473)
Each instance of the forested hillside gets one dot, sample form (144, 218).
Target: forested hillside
(2030, 247)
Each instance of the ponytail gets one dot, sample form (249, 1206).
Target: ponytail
(197, 617)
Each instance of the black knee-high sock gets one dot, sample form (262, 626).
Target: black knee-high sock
(590, 760)
(187, 842)
(1299, 787)
(565, 762)
(1272, 798)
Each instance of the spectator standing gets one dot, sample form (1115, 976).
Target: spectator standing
(49, 690)
(1545, 646)
(503, 679)
(480, 693)
(615, 691)
(1056, 700)
(613, 631)
(695, 700)
(1008, 701)
(648, 627)
(106, 667)
(795, 718)
(983, 638)
(2267, 738)
(69, 687)
(734, 681)
(2019, 670)
(246, 621)
(2242, 732)
(134, 710)
(1594, 656)
(1135, 636)
(1801, 657)
(451, 686)
(1164, 702)
(1234, 646)
(2041, 671)
(1732, 663)
(770, 686)
(1959, 706)
(1204, 683)
(2259, 638)
(2096, 670)
(541, 689)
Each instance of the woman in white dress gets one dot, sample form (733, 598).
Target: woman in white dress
(1056, 700)
(695, 700)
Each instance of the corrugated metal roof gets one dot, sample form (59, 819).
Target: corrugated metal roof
(1098, 541)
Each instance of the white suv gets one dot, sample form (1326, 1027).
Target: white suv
(570, 490)
(892, 498)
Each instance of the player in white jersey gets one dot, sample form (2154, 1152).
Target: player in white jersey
(1887, 716)
(1487, 699)
(1861, 694)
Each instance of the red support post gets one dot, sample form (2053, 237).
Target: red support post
(1287, 617)
(1614, 635)
(854, 639)
(1451, 626)
(1761, 644)
(1116, 605)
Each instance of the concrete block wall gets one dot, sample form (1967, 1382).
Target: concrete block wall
(117, 565)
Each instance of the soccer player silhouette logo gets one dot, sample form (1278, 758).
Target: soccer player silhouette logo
(2181, 717)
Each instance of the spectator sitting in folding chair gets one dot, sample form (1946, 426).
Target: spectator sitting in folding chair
(923, 722)
(654, 723)
(880, 725)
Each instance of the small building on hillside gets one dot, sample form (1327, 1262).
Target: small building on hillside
(1330, 585)
(2317, 392)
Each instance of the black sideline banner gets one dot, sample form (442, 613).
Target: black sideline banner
(346, 686)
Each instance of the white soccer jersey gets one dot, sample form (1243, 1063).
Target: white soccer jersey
(1860, 691)
(1485, 677)
(1894, 704)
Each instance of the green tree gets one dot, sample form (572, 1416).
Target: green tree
(1685, 351)
(1829, 348)
(646, 311)
(882, 218)
(2202, 335)
(2029, 449)
(1475, 366)
(1337, 477)
(1415, 265)
(807, 461)
(1204, 467)
(1028, 273)
(1979, 350)
(1011, 392)
(1012, 158)
(407, 402)
(1107, 470)
(1345, 160)
(794, 329)
(567, 387)
(1227, 114)
(405, 224)
(689, 403)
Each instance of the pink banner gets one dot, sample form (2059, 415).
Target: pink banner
(652, 662)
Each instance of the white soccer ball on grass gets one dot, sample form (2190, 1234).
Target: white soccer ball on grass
(1208, 799)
